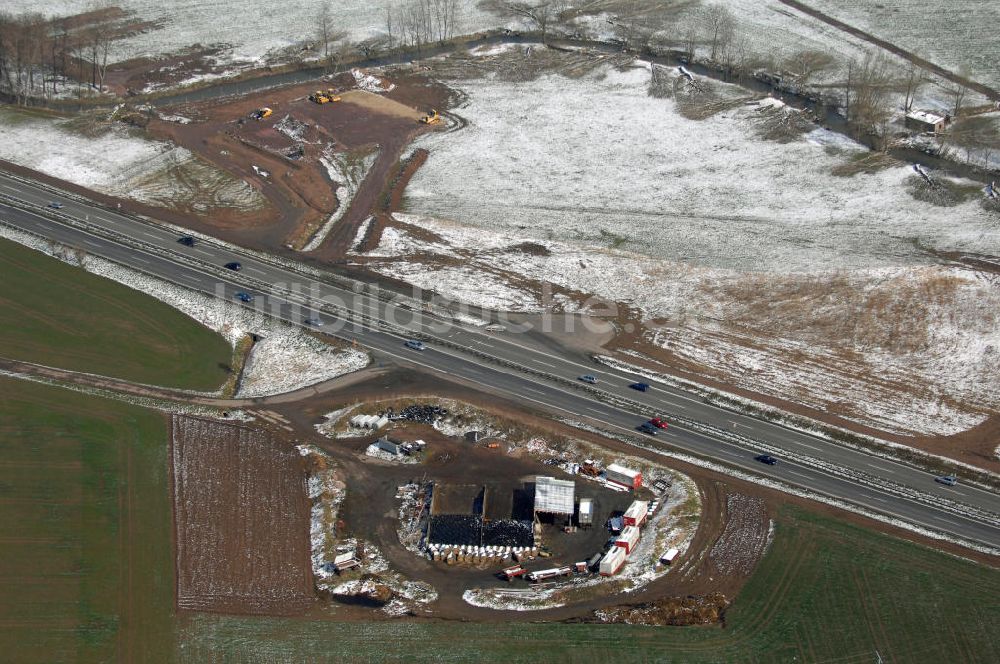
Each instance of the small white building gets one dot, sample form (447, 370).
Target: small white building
(926, 121)
(668, 557)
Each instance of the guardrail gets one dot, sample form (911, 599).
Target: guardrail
(371, 322)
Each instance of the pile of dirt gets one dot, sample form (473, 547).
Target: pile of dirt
(369, 590)
(691, 610)
(530, 248)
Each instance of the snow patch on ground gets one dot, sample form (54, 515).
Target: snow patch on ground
(370, 82)
(919, 346)
(291, 360)
(712, 192)
(348, 172)
(118, 163)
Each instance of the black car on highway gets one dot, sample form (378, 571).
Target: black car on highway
(642, 387)
(236, 267)
(646, 427)
(187, 241)
(766, 458)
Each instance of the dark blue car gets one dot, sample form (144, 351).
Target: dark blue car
(642, 387)
(244, 297)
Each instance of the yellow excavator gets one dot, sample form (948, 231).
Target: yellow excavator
(431, 118)
(321, 97)
(261, 113)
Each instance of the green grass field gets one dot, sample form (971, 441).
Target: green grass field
(826, 592)
(86, 566)
(54, 314)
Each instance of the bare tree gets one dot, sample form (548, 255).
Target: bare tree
(915, 79)
(541, 14)
(23, 46)
(690, 41)
(327, 37)
(957, 92)
(979, 138)
(721, 27)
(869, 87)
(99, 35)
(388, 25)
(804, 65)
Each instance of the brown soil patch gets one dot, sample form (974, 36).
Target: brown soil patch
(300, 196)
(690, 610)
(241, 514)
(377, 103)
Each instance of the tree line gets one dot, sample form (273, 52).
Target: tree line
(41, 55)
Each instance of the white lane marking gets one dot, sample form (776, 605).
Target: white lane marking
(255, 270)
(91, 243)
(140, 259)
(793, 441)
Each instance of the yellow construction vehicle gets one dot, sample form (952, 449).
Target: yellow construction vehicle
(321, 97)
(261, 113)
(432, 118)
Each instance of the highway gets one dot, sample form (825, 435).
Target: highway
(520, 366)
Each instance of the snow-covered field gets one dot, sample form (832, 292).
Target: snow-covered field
(251, 29)
(285, 358)
(915, 346)
(117, 163)
(628, 169)
(959, 36)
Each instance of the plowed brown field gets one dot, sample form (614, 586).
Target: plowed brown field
(241, 514)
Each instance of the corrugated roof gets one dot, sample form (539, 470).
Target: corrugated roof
(554, 496)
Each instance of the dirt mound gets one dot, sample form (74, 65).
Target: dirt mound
(690, 610)
(530, 248)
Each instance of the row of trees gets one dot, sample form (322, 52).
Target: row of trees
(411, 25)
(37, 54)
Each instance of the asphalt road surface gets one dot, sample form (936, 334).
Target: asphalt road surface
(805, 461)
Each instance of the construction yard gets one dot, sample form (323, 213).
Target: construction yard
(199, 481)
